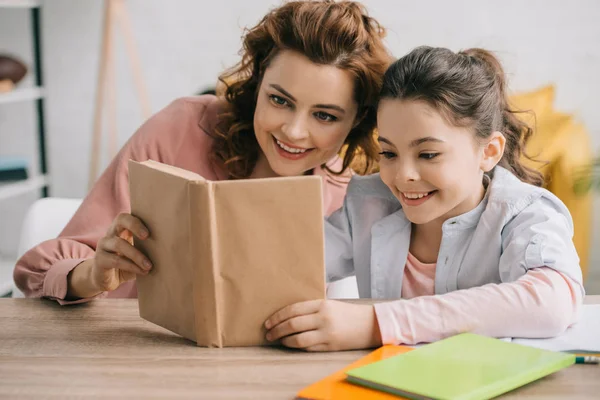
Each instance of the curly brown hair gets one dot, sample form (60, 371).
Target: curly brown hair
(327, 33)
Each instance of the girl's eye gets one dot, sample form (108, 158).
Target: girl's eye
(278, 100)
(388, 155)
(323, 116)
(429, 156)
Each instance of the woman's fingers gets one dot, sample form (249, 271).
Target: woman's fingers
(130, 223)
(126, 249)
(108, 261)
(123, 251)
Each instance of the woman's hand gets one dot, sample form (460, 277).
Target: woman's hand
(116, 260)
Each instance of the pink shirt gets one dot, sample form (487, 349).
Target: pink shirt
(419, 278)
(424, 317)
(177, 135)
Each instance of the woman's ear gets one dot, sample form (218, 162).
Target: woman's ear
(493, 150)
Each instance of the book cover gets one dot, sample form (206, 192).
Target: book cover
(462, 367)
(226, 254)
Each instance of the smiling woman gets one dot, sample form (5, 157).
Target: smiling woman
(306, 89)
(299, 123)
(306, 86)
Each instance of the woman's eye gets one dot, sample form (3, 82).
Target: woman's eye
(429, 156)
(278, 100)
(323, 116)
(388, 155)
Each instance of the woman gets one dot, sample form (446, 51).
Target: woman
(305, 87)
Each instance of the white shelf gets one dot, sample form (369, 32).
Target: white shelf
(6, 275)
(20, 3)
(12, 189)
(24, 94)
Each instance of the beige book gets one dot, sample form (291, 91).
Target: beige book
(226, 254)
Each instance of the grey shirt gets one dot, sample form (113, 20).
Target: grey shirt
(516, 227)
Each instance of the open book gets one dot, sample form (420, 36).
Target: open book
(226, 255)
(581, 338)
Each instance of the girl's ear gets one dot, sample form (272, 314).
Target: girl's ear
(493, 150)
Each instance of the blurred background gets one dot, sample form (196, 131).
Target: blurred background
(550, 50)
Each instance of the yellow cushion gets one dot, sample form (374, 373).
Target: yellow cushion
(575, 152)
(560, 147)
(536, 105)
(546, 144)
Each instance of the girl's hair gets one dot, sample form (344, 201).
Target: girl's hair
(469, 89)
(326, 32)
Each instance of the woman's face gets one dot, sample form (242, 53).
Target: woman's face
(304, 112)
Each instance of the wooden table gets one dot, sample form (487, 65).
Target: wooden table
(104, 349)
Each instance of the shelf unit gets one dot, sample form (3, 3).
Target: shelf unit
(25, 94)
(20, 3)
(38, 180)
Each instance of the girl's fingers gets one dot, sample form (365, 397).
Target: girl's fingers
(304, 340)
(319, 347)
(293, 326)
(294, 310)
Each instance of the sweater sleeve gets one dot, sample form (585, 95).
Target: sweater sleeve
(542, 303)
(43, 270)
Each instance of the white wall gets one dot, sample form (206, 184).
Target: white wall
(183, 45)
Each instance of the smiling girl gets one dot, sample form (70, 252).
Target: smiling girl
(455, 226)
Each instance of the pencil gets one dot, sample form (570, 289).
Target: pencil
(587, 360)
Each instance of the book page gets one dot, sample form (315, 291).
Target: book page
(169, 169)
(583, 337)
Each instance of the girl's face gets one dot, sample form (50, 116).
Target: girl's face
(434, 168)
(304, 112)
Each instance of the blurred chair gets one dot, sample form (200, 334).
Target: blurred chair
(44, 220)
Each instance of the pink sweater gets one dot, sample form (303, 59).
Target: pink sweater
(178, 135)
(424, 317)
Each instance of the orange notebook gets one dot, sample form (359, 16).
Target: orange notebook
(335, 386)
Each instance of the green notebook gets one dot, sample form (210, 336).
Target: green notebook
(466, 366)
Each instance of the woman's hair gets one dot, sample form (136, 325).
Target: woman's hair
(469, 89)
(340, 34)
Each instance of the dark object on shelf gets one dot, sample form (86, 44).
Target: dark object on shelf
(12, 69)
(12, 169)
(209, 90)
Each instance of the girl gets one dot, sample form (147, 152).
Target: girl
(301, 91)
(455, 225)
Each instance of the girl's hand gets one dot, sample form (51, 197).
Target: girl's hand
(325, 325)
